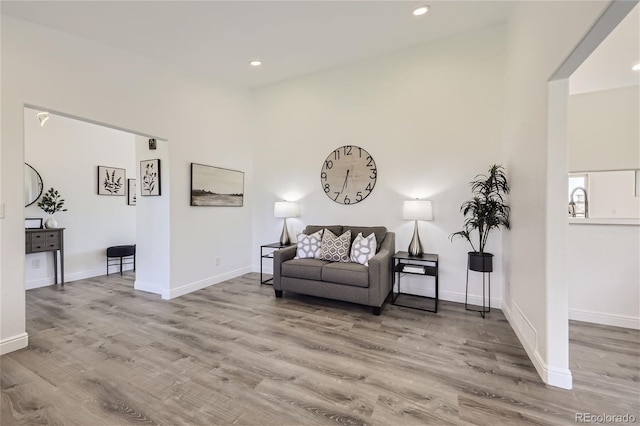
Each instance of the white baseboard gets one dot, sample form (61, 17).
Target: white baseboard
(528, 336)
(43, 282)
(147, 287)
(14, 343)
(189, 288)
(605, 319)
(47, 281)
(450, 296)
(471, 299)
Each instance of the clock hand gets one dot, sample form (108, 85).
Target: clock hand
(344, 185)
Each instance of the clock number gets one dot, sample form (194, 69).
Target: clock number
(359, 152)
(347, 200)
(347, 149)
(369, 187)
(323, 175)
(328, 164)
(370, 162)
(375, 173)
(337, 195)
(326, 188)
(336, 154)
(358, 196)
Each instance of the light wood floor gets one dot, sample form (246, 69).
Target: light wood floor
(101, 353)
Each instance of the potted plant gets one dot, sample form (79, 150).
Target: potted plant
(51, 203)
(485, 211)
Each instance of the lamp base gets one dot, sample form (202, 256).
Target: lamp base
(415, 246)
(284, 237)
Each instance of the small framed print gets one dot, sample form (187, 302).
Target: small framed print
(131, 192)
(33, 223)
(111, 181)
(150, 177)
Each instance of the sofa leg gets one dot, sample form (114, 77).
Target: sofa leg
(377, 310)
(278, 293)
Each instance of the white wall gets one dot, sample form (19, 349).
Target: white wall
(202, 121)
(431, 117)
(93, 222)
(604, 283)
(540, 36)
(612, 195)
(604, 130)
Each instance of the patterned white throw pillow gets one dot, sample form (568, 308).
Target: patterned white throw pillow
(309, 245)
(363, 249)
(335, 249)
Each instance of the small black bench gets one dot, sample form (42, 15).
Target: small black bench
(118, 253)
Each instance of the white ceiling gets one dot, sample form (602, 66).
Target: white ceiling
(217, 39)
(292, 38)
(609, 66)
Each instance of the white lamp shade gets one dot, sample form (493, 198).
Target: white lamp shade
(285, 209)
(417, 210)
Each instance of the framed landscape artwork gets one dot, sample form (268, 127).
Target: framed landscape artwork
(131, 192)
(217, 187)
(111, 181)
(150, 177)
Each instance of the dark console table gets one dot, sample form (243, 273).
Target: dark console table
(41, 240)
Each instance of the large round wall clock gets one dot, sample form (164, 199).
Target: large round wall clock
(348, 174)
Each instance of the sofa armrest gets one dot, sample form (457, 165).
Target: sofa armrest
(280, 256)
(380, 271)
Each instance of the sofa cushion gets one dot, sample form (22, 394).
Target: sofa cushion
(309, 246)
(380, 232)
(335, 249)
(310, 229)
(310, 269)
(353, 274)
(363, 249)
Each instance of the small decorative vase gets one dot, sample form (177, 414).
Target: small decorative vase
(51, 222)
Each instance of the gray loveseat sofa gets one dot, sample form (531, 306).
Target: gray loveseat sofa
(349, 282)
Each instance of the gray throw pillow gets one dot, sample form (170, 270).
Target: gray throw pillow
(363, 249)
(335, 249)
(309, 245)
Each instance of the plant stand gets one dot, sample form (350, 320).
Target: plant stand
(483, 263)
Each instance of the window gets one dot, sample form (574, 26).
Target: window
(578, 187)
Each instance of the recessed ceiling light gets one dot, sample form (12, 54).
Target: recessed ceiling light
(255, 63)
(421, 10)
(636, 67)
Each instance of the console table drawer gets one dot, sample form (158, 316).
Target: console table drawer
(45, 246)
(36, 237)
(50, 237)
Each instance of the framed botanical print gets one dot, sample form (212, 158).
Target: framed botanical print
(111, 180)
(150, 177)
(131, 192)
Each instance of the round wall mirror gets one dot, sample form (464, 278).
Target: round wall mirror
(32, 185)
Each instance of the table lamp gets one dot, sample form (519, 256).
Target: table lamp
(285, 209)
(416, 210)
